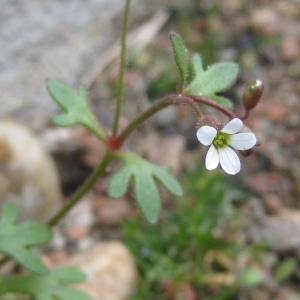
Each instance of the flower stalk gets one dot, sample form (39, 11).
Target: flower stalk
(122, 69)
(200, 99)
(173, 99)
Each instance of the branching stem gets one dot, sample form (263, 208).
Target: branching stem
(157, 106)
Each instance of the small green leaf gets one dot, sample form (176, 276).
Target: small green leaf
(75, 107)
(285, 269)
(251, 277)
(47, 287)
(143, 174)
(181, 57)
(15, 239)
(215, 79)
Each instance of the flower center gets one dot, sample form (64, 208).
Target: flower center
(221, 140)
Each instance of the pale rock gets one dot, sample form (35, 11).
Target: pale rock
(28, 175)
(85, 243)
(279, 233)
(78, 222)
(288, 9)
(111, 212)
(57, 39)
(290, 49)
(265, 20)
(110, 270)
(58, 241)
(77, 233)
(82, 214)
(57, 139)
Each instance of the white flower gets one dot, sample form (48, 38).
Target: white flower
(221, 143)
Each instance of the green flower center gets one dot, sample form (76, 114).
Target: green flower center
(221, 140)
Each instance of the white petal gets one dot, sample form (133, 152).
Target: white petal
(229, 161)
(243, 141)
(212, 158)
(206, 135)
(233, 126)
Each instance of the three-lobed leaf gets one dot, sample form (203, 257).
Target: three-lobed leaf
(16, 238)
(181, 57)
(144, 175)
(215, 79)
(75, 107)
(54, 285)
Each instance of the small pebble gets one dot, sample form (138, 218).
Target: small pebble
(290, 49)
(265, 20)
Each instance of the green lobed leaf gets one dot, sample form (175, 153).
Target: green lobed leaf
(16, 238)
(215, 79)
(168, 181)
(71, 293)
(47, 287)
(143, 174)
(75, 107)
(181, 56)
(147, 195)
(197, 65)
(222, 100)
(9, 214)
(69, 274)
(119, 183)
(220, 76)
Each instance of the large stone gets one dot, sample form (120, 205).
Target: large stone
(110, 269)
(280, 232)
(28, 175)
(55, 39)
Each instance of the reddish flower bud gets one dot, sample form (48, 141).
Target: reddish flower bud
(252, 94)
(247, 153)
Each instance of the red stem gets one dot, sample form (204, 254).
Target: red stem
(212, 103)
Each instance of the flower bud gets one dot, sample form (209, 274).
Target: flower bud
(252, 94)
(211, 121)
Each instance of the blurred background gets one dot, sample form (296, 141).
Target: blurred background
(227, 237)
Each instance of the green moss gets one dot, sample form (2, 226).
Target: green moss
(175, 249)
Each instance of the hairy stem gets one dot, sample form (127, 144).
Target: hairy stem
(157, 106)
(83, 189)
(212, 103)
(122, 68)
